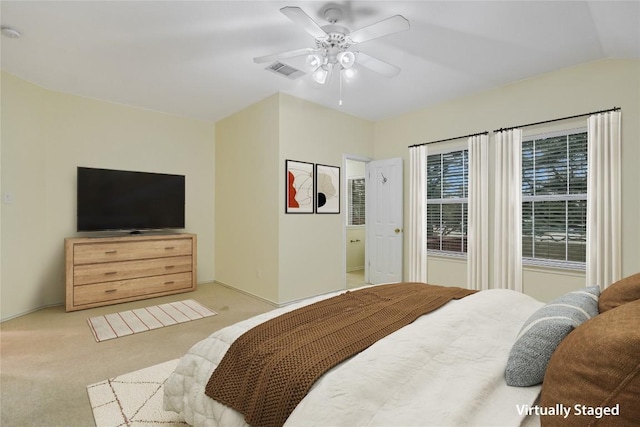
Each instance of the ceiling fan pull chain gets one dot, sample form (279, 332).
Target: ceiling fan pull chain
(340, 100)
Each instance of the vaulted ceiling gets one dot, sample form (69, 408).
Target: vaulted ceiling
(195, 58)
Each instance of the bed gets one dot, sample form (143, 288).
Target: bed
(446, 368)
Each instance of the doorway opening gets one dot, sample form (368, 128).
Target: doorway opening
(356, 274)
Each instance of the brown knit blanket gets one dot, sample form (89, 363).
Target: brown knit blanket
(269, 369)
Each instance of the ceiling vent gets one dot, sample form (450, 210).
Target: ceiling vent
(285, 70)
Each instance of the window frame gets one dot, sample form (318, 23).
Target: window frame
(543, 262)
(449, 200)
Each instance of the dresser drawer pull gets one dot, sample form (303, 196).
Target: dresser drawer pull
(168, 267)
(111, 252)
(168, 248)
(169, 283)
(110, 273)
(110, 291)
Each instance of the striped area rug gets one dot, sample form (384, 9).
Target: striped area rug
(144, 319)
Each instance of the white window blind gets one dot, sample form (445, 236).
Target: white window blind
(554, 199)
(447, 202)
(356, 201)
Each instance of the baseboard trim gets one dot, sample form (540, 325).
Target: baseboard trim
(312, 296)
(242, 291)
(268, 301)
(42, 307)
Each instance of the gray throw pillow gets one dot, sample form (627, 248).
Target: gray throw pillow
(543, 332)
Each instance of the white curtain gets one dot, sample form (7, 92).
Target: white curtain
(507, 267)
(603, 200)
(478, 214)
(418, 214)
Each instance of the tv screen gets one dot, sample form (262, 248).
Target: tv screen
(126, 200)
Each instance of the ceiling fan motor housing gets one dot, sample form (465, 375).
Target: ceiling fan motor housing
(335, 42)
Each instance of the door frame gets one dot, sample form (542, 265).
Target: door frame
(345, 201)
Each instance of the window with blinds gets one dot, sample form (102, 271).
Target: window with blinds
(356, 201)
(554, 199)
(447, 202)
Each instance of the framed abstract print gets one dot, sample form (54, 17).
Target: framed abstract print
(299, 189)
(327, 189)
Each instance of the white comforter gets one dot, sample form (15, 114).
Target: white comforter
(444, 369)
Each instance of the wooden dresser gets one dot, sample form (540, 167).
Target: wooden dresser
(110, 270)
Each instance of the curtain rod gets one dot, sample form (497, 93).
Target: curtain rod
(450, 139)
(561, 118)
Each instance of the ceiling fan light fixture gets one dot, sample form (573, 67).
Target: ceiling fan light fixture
(349, 73)
(321, 74)
(346, 59)
(314, 61)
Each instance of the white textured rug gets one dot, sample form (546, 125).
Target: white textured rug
(134, 399)
(144, 319)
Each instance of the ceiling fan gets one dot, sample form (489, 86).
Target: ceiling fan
(333, 43)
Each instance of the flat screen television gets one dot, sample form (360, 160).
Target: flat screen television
(127, 200)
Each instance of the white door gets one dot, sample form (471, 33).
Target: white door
(383, 183)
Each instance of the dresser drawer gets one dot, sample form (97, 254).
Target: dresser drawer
(122, 289)
(108, 272)
(90, 253)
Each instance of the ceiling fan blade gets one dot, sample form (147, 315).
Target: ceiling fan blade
(391, 25)
(377, 65)
(298, 16)
(283, 55)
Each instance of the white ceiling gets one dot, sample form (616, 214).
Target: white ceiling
(194, 58)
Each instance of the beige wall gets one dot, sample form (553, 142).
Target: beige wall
(247, 199)
(356, 238)
(24, 287)
(45, 136)
(581, 89)
(312, 246)
(260, 249)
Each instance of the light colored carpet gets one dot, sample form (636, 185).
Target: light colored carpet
(144, 319)
(49, 357)
(134, 399)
